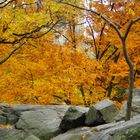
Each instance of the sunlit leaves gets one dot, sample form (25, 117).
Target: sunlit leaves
(43, 72)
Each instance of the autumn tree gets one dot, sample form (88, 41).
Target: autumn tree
(43, 72)
(122, 34)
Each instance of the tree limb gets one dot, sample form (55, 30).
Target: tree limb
(98, 14)
(11, 53)
(5, 3)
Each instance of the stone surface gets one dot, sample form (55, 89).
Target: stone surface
(3, 119)
(128, 134)
(113, 131)
(82, 133)
(8, 114)
(93, 117)
(11, 134)
(74, 117)
(32, 137)
(135, 109)
(12, 119)
(108, 110)
(42, 123)
(129, 130)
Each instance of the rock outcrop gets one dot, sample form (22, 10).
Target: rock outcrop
(40, 121)
(129, 130)
(58, 122)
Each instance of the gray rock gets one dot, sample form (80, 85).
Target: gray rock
(26, 107)
(6, 109)
(11, 134)
(128, 134)
(18, 109)
(3, 119)
(135, 109)
(74, 117)
(129, 130)
(12, 119)
(32, 137)
(93, 117)
(42, 123)
(86, 132)
(108, 110)
(7, 115)
(75, 134)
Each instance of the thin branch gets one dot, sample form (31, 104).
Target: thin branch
(6, 3)
(98, 14)
(130, 25)
(56, 31)
(113, 53)
(104, 51)
(101, 35)
(11, 53)
(28, 35)
(33, 31)
(92, 34)
(3, 2)
(51, 28)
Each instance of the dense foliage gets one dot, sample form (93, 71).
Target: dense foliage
(42, 71)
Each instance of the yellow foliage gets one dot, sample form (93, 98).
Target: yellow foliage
(42, 72)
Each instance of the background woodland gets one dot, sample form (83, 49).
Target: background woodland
(86, 68)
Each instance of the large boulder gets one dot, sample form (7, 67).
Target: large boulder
(102, 112)
(74, 117)
(42, 123)
(122, 130)
(108, 110)
(129, 130)
(94, 117)
(45, 122)
(85, 133)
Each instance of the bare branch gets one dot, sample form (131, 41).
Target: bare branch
(28, 35)
(56, 31)
(130, 25)
(11, 53)
(98, 14)
(5, 3)
(92, 34)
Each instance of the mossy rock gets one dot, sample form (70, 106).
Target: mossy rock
(128, 134)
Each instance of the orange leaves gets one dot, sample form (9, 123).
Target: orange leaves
(52, 75)
(45, 73)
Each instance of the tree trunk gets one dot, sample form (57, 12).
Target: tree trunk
(130, 95)
(131, 79)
